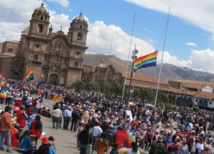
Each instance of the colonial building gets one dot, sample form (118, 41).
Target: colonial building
(57, 55)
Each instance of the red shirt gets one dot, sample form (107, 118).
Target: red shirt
(35, 132)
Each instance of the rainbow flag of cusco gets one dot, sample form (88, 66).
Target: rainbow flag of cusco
(29, 75)
(146, 61)
(41, 79)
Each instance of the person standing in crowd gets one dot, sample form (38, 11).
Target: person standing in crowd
(133, 149)
(67, 117)
(22, 119)
(6, 126)
(158, 147)
(79, 129)
(36, 128)
(96, 132)
(75, 118)
(85, 117)
(25, 145)
(101, 144)
(148, 138)
(111, 137)
(85, 138)
(56, 117)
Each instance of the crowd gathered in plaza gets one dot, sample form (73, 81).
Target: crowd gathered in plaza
(102, 124)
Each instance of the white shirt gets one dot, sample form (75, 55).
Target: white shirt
(96, 130)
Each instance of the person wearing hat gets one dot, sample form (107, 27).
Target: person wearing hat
(148, 138)
(44, 148)
(158, 147)
(22, 119)
(79, 129)
(86, 117)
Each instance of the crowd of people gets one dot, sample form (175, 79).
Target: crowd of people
(101, 124)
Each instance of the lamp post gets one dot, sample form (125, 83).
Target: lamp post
(133, 59)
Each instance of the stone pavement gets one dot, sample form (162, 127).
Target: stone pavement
(65, 140)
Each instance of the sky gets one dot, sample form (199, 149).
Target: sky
(117, 27)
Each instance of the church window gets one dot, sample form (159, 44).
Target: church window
(77, 53)
(10, 50)
(35, 57)
(41, 18)
(80, 26)
(79, 36)
(56, 58)
(45, 57)
(40, 28)
(76, 64)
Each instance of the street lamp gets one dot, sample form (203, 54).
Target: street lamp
(133, 59)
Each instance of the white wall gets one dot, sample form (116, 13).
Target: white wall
(207, 89)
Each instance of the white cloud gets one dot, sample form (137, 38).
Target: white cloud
(191, 44)
(167, 58)
(101, 35)
(197, 12)
(202, 60)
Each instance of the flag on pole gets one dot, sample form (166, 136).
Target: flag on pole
(29, 75)
(146, 61)
(41, 79)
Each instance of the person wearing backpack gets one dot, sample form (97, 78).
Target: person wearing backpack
(111, 137)
(148, 138)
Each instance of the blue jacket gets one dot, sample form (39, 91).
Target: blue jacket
(25, 143)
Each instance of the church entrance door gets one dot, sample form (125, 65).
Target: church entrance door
(15, 76)
(53, 79)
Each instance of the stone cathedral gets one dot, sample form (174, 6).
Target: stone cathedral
(57, 55)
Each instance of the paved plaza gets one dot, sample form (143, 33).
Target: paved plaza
(65, 140)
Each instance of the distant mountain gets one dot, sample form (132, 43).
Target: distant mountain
(169, 71)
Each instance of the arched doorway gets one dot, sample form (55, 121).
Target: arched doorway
(53, 79)
(15, 76)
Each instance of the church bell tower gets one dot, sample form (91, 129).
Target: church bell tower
(39, 22)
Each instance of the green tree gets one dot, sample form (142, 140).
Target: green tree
(91, 86)
(78, 85)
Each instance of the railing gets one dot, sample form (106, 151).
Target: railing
(202, 104)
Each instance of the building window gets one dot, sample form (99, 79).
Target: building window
(76, 64)
(35, 57)
(46, 58)
(41, 18)
(79, 36)
(56, 58)
(77, 53)
(40, 28)
(10, 50)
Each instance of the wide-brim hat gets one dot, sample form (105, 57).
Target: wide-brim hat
(95, 115)
(107, 120)
(44, 140)
(160, 138)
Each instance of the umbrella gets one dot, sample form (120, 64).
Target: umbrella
(149, 105)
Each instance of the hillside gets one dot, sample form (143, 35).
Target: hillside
(169, 71)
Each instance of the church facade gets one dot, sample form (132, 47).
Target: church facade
(57, 55)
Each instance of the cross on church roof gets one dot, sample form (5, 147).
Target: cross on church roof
(61, 28)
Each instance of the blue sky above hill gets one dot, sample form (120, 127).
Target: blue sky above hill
(190, 32)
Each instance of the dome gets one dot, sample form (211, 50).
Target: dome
(41, 9)
(80, 17)
(25, 32)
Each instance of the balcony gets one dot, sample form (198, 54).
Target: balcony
(184, 100)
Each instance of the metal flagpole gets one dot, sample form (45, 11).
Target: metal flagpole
(127, 64)
(156, 95)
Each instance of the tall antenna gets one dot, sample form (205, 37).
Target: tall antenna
(127, 64)
(156, 95)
